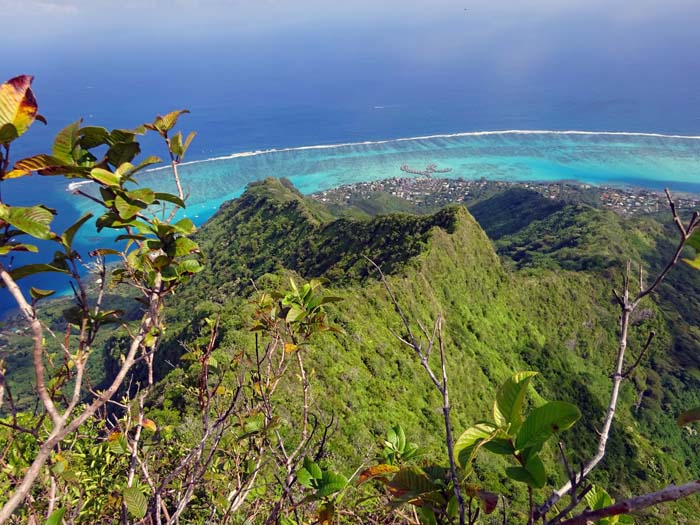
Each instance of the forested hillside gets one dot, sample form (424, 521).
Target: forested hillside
(536, 297)
(545, 304)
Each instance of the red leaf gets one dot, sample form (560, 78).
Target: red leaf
(18, 105)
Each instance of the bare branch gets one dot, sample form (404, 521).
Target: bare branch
(440, 384)
(413, 342)
(684, 234)
(456, 487)
(670, 493)
(641, 355)
(37, 336)
(627, 306)
(676, 219)
(62, 428)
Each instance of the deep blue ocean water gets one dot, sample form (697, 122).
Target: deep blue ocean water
(258, 102)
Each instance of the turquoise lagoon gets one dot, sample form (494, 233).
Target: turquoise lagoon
(646, 160)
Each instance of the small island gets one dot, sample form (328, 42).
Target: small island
(429, 170)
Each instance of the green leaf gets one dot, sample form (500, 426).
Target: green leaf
(131, 237)
(176, 146)
(392, 437)
(453, 508)
(18, 247)
(500, 445)
(694, 242)
(167, 197)
(253, 424)
(427, 515)
(33, 269)
(313, 468)
(520, 474)
(185, 246)
(535, 468)
(107, 316)
(66, 141)
(401, 436)
(470, 441)
(128, 208)
(105, 177)
(18, 105)
(8, 133)
(545, 421)
(694, 263)
(74, 316)
(93, 136)
(689, 416)
(56, 517)
(148, 161)
(37, 293)
(166, 122)
(123, 169)
(410, 481)
(189, 266)
(122, 152)
(188, 141)
(532, 473)
(43, 164)
(305, 478)
(330, 483)
(168, 273)
(135, 501)
(597, 498)
(68, 235)
(184, 226)
(294, 314)
(32, 220)
(507, 409)
(117, 443)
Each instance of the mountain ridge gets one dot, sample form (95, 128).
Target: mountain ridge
(498, 319)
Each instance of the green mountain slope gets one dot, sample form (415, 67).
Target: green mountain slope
(512, 210)
(536, 298)
(550, 310)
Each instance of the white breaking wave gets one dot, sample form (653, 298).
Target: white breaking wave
(255, 153)
(75, 185)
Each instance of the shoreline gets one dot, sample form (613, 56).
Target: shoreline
(460, 134)
(435, 192)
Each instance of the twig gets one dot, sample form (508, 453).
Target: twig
(637, 361)
(627, 306)
(37, 337)
(685, 231)
(440, 384)
(670, 493)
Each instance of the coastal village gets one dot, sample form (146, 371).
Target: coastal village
(430, 192)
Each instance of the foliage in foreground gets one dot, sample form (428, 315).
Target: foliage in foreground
(240, 430)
